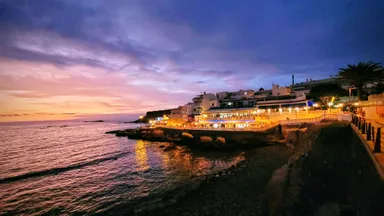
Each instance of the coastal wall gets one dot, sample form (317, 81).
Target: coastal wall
(213, 138)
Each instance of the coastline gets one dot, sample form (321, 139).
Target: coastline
(242, 186)
(240, 189)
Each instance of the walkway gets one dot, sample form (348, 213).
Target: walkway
(372, 140)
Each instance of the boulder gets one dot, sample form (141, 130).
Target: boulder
(220, 140)
(157, 133)
(187, 135)
(205, 139)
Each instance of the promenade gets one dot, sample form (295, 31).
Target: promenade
(371, 134)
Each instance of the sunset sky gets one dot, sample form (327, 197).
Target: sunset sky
(71, 58)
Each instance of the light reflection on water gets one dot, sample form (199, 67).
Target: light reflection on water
(74, 167)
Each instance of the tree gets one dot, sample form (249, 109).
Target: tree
(362, 74)
(326, 92)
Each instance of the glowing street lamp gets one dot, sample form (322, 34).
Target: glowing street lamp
(280, 110)
(330, 103)
(316, 105)
(141, 117)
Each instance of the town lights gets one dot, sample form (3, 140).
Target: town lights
(316, 105)
(141, 117)
(280, 110)
(269, 110)
(297, 108)
(290, 109)
(330, 103)
(356, 104)
(258, 111)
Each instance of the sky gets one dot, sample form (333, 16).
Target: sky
(65, 59)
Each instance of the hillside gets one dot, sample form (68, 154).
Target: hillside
(153, 114)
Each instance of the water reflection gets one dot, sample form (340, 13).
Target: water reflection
(141, 156)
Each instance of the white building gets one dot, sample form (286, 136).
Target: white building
(222, 95)
(242, 94)
(187, 110)
(204, 102)
(280, 91)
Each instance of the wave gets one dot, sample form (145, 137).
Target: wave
(57, 170)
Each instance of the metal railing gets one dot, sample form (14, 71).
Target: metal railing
(372, 103)
(372, 131)
(310, 120)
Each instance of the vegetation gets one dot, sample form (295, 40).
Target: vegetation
(362, 74)
(326, 92)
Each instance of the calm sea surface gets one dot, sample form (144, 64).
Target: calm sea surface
(75, 168)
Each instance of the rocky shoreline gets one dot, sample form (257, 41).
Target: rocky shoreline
(265, 183)
(242, 189)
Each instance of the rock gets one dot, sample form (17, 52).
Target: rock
(157, 133)
(162, 146)
(274, 191)
(121, 134)
(113, 132)
(205, 139)
(329, 209)
(220, 140)
(187, 135)
(170, 147)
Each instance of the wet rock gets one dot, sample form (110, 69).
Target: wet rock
(121, 134)
(220, 140)
(112, 132)
(169, 148)
(162, 146)
(158, 134)
(205, 140)
(186, 135)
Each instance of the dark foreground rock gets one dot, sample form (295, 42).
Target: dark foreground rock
(236, 191)
(123, 133)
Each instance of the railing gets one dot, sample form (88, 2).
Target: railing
(372, 103)
(372, 131)
(310, 120)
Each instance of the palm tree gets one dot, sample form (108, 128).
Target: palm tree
(362, 74)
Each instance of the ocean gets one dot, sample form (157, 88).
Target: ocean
(73, 167)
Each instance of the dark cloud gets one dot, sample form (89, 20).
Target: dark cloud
(217, 38)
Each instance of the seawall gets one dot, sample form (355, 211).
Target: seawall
(211, 138)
